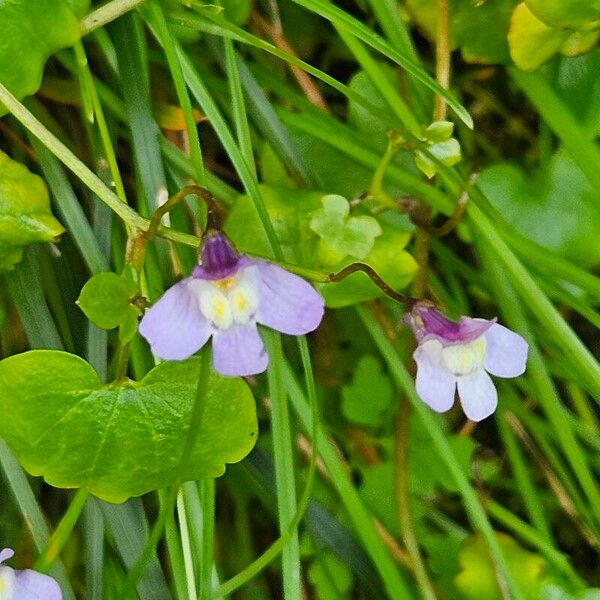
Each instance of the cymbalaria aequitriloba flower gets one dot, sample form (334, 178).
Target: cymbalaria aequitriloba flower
(27, 584)
(453, 355)
(225, 297)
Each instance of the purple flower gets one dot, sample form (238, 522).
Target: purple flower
(225, 297)
(453, 355)
(27, 584)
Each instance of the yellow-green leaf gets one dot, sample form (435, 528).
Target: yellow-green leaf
(25, 216)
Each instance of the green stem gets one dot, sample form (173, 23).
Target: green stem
(107, 13)
(61, 534)
(207, 497)
(284, 467)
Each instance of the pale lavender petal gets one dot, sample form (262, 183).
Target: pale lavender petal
(506, 352)
(31, 585)
(287, 303)
(174, 325)
(6, 554)
(478, 396)
(435, 385)
(239, 351)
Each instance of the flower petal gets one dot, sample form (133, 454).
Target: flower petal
(287, 303)
(506, 352)
(6, 554)
(239, 351)
(435, 385)
(31, 585)
(174, 325)
(478, 395)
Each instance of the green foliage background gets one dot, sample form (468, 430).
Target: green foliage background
(325, 132)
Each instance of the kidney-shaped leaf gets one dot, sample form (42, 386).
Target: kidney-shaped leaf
(25, 216)
(123, 440)
(31, 32)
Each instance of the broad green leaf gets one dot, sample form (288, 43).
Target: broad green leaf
(555, 207)
(532, 41)
(342, 235)
(330, 577)
(79, 7)
(477, 28)
(477, 580)
(370, 394)
(30, 34)
(106, 301)
(119, 440)
(394, 265)
(567, 14)
(25, 216)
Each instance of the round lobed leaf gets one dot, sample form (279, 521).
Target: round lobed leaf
(30, 34)
(105, 300)
(25, 216)
(124, 440)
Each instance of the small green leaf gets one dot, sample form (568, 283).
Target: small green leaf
(477, 580)
(106, 301)
(531, 41)
(25, 216)
(30, 34)
(439, 131)
(342, 234)
(124, 440)
(366, 400)
(447, 152)
(567, 14)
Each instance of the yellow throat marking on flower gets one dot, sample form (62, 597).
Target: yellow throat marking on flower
(462, 359)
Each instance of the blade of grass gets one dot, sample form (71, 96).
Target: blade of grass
(284, 466)
(343, 20)
(364, 526)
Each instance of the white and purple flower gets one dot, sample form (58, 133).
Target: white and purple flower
(226, 296)
(453, 355)
(27, 584)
